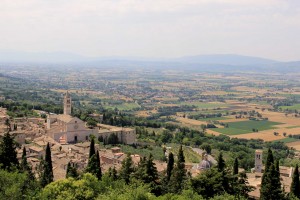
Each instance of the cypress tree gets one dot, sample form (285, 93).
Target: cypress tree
(170, 165)
(25, 167)
(141, 171)
(179, 174)
(99, 171)
(295, 186)
(151, 170)
(277, 170)
(92, 148)
(221, 163)
(47, 174)
(269, 162)
(236, 167)
(270, 159)
(93, 166)
(271, 189)
(8, 153)
(126, 169)
(181, 155)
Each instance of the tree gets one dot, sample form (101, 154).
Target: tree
(126, 169)
(180, 155)
(151, 170)
(236, 167)
(112, 173)
(47, 173)
(170, 165)
(207, 148)
(25, 167)
(86, 188)
(93, 166)
(7, 124)
(91, 122)
(92, 148)
(179, 173)
(15, 185)
(203, 127)
(8, 153)
(208, 183)
(295, 186)
(71, 171)
(141, 170)
(269, 162)
(243, 187)
(271, 188)
(99, 172)
(221, 163)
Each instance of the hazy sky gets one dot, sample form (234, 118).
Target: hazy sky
(153, 28)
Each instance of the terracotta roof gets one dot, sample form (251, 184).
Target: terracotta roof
(35, 148)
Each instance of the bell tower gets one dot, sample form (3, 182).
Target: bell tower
(258, 160)
(67, 104)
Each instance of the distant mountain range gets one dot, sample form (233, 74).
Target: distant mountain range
(215, 62)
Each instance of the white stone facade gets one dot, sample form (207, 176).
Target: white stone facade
(67, 129)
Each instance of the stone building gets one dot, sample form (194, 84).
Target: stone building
(67, 129)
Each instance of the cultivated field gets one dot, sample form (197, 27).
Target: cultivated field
(242, 127)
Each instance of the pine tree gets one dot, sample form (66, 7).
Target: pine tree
(25, 167)
(221, 163)
(170, 165)
(126, 169)
(8, 153)
(295, 186)
(92, 148)
(47, 174)
(236, 167)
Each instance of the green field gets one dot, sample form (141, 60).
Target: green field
(202, 105)
(293, 107)
(230, 131)
(212, 119)
(287, 140)
(290, 127)
(124, 106)
(243, 127)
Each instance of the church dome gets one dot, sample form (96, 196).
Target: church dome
(204, 164)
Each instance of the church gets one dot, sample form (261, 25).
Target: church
(65, 129)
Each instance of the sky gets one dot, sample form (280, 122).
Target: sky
(153, 28)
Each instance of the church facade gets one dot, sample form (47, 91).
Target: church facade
(67, 129)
